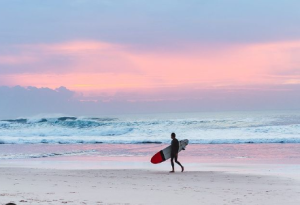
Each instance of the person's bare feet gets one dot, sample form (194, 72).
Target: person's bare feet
(182, 169)
(172, 171)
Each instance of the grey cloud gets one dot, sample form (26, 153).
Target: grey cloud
(19, 101)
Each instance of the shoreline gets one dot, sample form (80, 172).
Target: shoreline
(267, 159)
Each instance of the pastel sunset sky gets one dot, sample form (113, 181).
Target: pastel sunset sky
(138, 56)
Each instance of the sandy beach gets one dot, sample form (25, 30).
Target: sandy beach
(122, 174)
(129, 186)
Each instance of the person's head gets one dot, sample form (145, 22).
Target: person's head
(10, 204)
(173, 135)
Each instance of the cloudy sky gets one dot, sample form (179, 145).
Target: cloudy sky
(116, 56)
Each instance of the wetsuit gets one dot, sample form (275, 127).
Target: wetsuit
(174, 152)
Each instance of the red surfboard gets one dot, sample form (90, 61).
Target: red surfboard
(165, 154)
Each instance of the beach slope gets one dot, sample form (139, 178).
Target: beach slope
(50, 186)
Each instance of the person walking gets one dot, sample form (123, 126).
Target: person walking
(174, 152)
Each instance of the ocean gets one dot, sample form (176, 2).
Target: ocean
(199, 128)
(228, 137)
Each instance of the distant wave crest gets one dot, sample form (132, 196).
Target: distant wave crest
(146, 130)
(72, 122)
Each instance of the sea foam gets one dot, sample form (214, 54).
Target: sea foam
(198, 128)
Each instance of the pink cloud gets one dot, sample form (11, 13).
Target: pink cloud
(103, 67)
(70, 57)
(17, 59)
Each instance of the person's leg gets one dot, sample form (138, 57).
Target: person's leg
(182, 168)
(172, 163)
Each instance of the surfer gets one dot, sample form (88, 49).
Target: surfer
(174, 152)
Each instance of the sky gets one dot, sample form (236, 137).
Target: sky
(93, 57)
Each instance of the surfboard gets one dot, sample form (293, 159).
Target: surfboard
(165, 154)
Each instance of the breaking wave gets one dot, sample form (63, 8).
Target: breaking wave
(151, 130)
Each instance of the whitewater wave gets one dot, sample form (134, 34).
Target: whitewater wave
(246, 141)
(151, 130)
(82, 122)
(192, 141)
